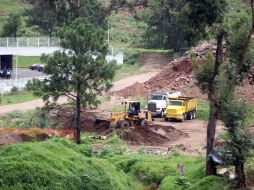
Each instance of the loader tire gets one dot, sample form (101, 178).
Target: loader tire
(144, 123)
(123, 124)
(113, 125)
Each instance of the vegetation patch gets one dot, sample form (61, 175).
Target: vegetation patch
(27, 119)
(57, 164)
(17, 97)
(26, 61)
(127, 70)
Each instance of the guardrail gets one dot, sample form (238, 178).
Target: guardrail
(30, 42)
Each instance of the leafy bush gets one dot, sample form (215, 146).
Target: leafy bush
(14, 90)
(130, 57)
(182, 181)
(108, 151)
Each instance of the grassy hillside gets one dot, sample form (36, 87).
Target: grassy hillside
(58, 164)
(125, 29)
(9, 6)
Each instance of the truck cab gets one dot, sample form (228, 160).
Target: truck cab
(158, 102)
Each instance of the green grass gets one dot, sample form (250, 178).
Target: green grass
(59, 164)
(9, 6)
(103, 99)
(124, 29)
(56, 165)
(161, 173)
(203, 110)
(18, 97)
(127, 70)
(25, 119)
(144, 50)
(26, 61)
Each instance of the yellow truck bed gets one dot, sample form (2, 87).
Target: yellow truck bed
(181, 108)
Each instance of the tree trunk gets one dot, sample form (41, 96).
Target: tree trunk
(214, 107)
(211, 128)
(78, 105)
(240, 175)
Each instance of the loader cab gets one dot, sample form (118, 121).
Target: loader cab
(133, 108)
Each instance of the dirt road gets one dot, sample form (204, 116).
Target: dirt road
(121, 84)
(26, 106)
(192, 143)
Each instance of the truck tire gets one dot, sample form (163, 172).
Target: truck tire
(165, 119)
(185, 116)
(190, 115)
(194, 114)
(162, 113)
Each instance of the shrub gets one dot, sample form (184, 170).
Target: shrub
(14, 90)
(208, 183)
(130, 57)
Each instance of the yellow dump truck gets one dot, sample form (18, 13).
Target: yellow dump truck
(181, 108)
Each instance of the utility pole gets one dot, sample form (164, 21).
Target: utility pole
(16, 77)
(108, 34)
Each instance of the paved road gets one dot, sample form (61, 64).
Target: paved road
(24, 73)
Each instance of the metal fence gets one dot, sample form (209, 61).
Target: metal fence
(30, 42)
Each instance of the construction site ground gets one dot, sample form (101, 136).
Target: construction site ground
(161, 137)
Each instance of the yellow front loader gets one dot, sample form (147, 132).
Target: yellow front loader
(131, 117)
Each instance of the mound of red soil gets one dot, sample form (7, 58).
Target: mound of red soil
(7, 138)
(136, 89)
(152, 135)
(155, 136)
(67, 120)
(178, 76)
(174, 75)
(143, 136)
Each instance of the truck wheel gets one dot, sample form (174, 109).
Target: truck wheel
(190, 115)
(185, 116)
(165, 119)
(162, 113)
(194, 114)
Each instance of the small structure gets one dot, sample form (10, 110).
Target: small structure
(6, 66)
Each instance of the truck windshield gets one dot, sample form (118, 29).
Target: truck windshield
(156, 97)
(175, 103)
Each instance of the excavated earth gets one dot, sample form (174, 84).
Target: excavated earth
(178, 75)
(155, 135)
(14, 136)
